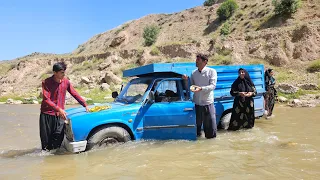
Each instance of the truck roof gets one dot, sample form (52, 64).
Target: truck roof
(226, 73)
(185, 68)
(177, 68)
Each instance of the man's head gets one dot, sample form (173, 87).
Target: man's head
(59, 69)
(201, 61)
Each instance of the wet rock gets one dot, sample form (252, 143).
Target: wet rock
(296, 103)
(9, 101)
(282, 99)
(308, 104)
(27, 99)
(35, 102)
(287, 88)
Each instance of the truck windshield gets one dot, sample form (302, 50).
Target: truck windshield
(134, 91)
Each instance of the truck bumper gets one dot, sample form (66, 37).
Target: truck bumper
(75, 147)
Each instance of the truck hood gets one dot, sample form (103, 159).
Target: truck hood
(116, 108)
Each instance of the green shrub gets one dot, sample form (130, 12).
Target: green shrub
(155, 51)
(6, 67)
(209, 2)
(286, 6)
(221, 59)
(226, 9)
(283, 76)
(150, 34)
(314, 66)
(225, 30)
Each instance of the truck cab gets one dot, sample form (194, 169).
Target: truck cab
(156, 104)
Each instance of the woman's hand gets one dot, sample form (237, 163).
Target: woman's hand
(242, 94)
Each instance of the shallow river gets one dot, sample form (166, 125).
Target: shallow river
(285, 147)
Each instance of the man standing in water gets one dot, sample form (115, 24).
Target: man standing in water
(203, 81)
(53, 116)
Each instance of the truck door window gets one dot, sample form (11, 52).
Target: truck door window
(167, 92)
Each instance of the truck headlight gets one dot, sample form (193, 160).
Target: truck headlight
(68, 131)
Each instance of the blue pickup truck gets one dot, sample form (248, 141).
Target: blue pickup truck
(156, 104)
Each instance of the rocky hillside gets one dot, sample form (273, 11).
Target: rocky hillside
(289, 44)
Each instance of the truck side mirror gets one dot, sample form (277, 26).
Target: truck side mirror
(115, 94)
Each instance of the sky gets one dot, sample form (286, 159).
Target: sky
(59, 26)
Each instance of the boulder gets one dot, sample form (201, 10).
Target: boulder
(111, 78)
(34, 102)
(9, 101)
(308, 86)
(118, 39)
(85, 80)
(287, 88)
(296, 101)
(282, 99)
(105, 87)
(103, 66)
(18, 102)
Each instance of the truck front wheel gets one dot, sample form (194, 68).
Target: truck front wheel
(108, 135)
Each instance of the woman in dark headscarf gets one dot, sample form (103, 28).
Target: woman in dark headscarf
(271, 92)
(243, 90)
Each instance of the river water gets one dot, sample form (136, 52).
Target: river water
(285, 147)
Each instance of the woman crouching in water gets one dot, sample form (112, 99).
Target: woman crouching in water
(243, 90)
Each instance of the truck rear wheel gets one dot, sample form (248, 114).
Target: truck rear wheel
(107, 136)
(225, 121)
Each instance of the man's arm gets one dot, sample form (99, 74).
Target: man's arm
(76, 95)
(212, 82)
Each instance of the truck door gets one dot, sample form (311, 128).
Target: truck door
(172, 115)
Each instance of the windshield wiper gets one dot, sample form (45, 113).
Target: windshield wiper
(123, 100)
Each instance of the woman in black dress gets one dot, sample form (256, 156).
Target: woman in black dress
(243, 90)
(271, 93)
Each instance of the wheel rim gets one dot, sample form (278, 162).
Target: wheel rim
(108, 141)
